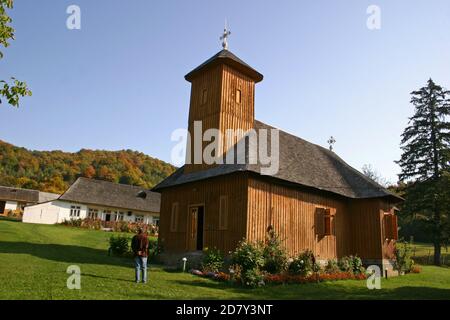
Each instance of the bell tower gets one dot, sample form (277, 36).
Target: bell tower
(222, 98)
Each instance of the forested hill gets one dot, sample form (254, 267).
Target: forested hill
(54, 171)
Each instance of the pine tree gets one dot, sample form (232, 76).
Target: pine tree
(426, 161)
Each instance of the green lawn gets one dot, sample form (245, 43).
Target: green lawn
(423, 254)
(34, 259)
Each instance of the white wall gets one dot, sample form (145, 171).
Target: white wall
(11, 205)
(58, 211)
(45, 213)
(50, 212)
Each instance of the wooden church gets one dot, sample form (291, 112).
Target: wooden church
(315, 200)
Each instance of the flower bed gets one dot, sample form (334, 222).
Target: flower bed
(314, 278)
(286, 278)
(255, 264)
(117, 226)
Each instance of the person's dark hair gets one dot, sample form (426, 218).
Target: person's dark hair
(140, 230)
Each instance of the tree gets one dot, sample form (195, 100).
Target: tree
(373, 174)
(23, 168)
(16, 89)
(89, 172)
(425, 161)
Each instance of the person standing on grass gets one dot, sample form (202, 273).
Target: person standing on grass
(139, 245)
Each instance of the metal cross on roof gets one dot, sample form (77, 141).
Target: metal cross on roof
(224, 37)
(331, 141)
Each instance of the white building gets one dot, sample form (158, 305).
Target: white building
(15, 199)
(97, 199)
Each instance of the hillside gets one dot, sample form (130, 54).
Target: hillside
(54, 171)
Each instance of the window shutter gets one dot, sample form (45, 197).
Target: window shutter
(327, 223)
(386, 225)
(174, 217)
(319, 221)
(223, 213)
(390, 226)
(394, 227)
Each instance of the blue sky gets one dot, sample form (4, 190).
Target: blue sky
(118, 83)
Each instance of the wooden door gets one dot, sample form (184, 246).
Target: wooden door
(195, 228)
(192, 225)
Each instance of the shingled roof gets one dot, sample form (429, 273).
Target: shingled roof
(17, 194)
(301, 163)
(226, 57)
(25, 195)
(104, 193)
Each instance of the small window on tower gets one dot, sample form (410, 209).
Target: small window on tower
(204, 96)
(238, 96)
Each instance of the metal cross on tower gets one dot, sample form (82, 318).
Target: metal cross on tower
(331, 141)
(224, 37)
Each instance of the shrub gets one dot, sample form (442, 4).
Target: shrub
(235, 273)
(119, 245)
(332, 266)
(403, 260)
(416, 269)
(117, 226)
(352, 264)
(357, 265)
(122, 226)
(248, 255)
(252, 278)
(275, 257)
(153, 248)
(346, 264)
(94, 224)
(304, 264)
(250, 259)
(212, 260)
(221, 276)
(14, 214)
(72, 223)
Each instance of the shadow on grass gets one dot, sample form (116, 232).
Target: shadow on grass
(64, 253)
(325, 290)
(170, 270)
(107, 278)
(9, 219)
(423, 293)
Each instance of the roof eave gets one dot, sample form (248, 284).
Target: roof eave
(250, 72)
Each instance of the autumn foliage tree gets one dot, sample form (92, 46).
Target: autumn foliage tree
(54, 171)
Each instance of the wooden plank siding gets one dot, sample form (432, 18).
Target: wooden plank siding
(236, 115)
(293, 214)
(207, 193)
(366, 228)
(221, 110)
(254, 204)
(368, 234)
(388, 244)
(207, 112)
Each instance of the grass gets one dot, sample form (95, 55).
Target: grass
(34, 260)
(423, 254)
